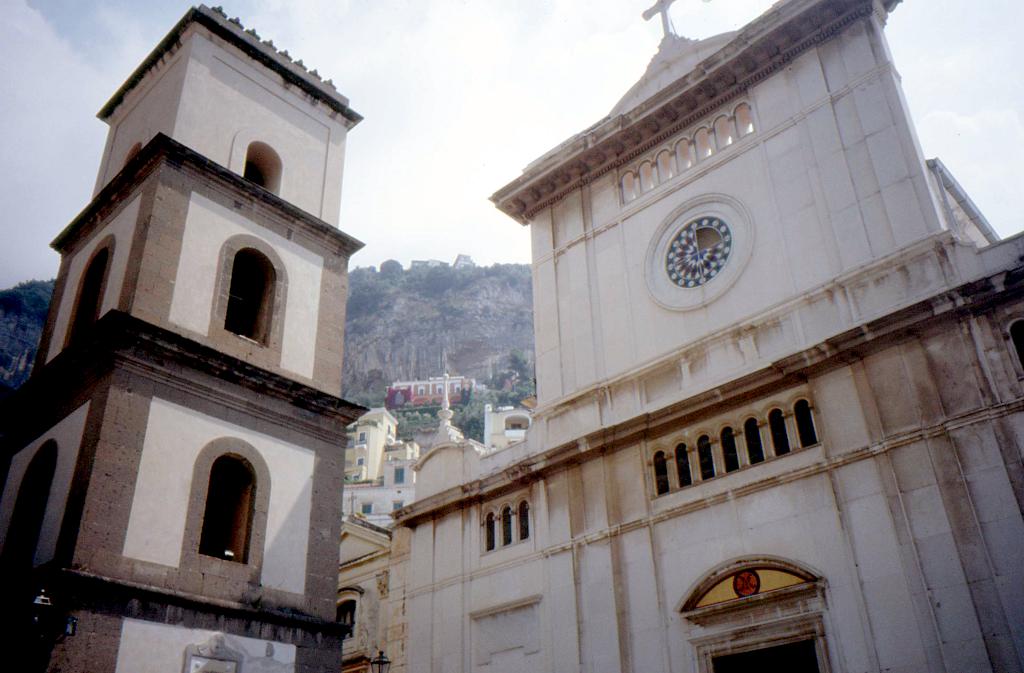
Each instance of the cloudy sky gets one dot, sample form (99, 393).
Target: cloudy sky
(458, 96)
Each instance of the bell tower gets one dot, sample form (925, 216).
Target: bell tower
(173, 468)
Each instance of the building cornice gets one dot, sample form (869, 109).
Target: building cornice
(164, 150)
(248, 41)
(849, 346)
(763, 47)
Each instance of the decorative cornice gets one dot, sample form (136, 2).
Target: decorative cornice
(761, 49)
(164, 150)
(248, 41)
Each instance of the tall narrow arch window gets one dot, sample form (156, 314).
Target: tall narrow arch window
(1017, 337)
(660, 473)
(29, 510)
(683, 466)
(346, 614)
(629, 186)
(703, 141)
(647, 180)
(666, 166)
(752, 435)
(685, 156)
(489, 532)
(729, 453)
(230, 503)
(725, 132)
(705, 458)
(90, 294)
(263, 166)
(506, 525)
(777, 427)
(744, 119)
(805, 423)
(524, 520)
(250, 295)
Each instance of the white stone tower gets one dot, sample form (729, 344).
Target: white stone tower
(174, 465)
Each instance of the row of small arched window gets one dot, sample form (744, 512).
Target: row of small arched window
(700, 463)
(687, 152)
(512, 525)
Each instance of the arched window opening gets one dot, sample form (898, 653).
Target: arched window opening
(666, 166)
(506, 525)
(755, 448)
(90, 295)
(744, 119)
(1017, 336)
(725, 132)
(805, 423)
(263, 166)
(230, 503)
(251, 295)
(660, 473)
(489, 532)
(683, 466)
(629, 186)
(777, 427)
(346, 614)
(685, 156)
(524, 520)
(646, 176)
(703, 141)
(29, 510)
(729, 453)
(705, 458)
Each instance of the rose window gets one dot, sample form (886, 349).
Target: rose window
(698, 252)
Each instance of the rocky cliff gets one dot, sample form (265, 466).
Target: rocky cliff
(409, 324)
(22, 314)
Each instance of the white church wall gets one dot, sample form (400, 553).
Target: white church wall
(122, 228)
(156, 525)
(160, 648)
(67, 434)
(208, 225)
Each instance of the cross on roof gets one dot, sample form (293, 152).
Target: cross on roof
(661, 6)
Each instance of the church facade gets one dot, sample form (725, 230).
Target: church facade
(173, 469)
(780, 370)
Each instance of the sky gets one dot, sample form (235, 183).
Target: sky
(458, 96)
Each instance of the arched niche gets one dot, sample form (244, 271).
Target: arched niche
(758, 613)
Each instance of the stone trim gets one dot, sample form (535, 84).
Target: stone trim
(805, 624)
(234, 572)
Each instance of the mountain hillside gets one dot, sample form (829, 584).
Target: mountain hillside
(409, 324)
(22, 314)
(401, 324)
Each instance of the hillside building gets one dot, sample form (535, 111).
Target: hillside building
(463, 262)
(504, 426)
(779, 409)
(429, 391)
(173, 469)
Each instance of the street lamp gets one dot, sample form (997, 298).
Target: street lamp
(380, 664)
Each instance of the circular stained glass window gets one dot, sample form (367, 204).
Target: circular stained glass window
(698, 252)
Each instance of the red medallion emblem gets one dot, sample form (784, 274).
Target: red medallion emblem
(746, 583)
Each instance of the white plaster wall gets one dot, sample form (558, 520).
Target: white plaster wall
(122, 228)
(207, 226)
(227, 102)
(68, 436)
(156, 526)
(149, 109)
(146, 647)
